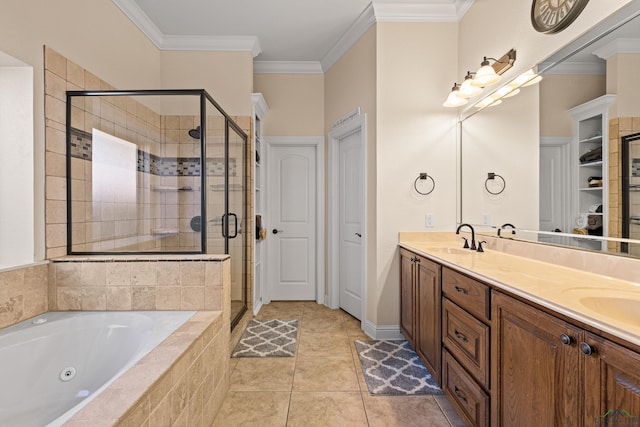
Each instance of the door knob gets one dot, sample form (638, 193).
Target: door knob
(276, 231)
(358, 234)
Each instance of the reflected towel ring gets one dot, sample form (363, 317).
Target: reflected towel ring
(490, 177)
(424, 176)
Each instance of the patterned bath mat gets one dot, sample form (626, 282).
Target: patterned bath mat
(393, 368)
(268, 338)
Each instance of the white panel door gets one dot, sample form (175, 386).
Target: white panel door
(292, 237)
(350, 233)
(553, 188)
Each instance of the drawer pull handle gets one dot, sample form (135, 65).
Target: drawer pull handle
(460, 336)
(461, 290)
(459, 394)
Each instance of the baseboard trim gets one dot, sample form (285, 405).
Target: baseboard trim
(382, 332)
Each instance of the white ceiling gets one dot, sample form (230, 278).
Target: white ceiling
(276, 30)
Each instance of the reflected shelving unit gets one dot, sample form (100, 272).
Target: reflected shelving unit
(590, 161)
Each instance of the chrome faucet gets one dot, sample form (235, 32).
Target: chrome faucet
(505, 225)
(473, 234)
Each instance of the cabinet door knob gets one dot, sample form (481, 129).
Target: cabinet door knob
(587, 349)
(566, 339)
(417, 260)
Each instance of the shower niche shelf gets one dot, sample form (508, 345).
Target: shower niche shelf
(170, 189)
(164, 231)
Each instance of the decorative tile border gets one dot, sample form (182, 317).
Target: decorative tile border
(150, 163)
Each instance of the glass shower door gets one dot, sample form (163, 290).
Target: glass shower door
(235, 221)
(226, 152)
(631, 192)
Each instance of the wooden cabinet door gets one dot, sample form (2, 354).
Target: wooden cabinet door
(612, 384)
(535, 378)
(407, 292)
(428, 317)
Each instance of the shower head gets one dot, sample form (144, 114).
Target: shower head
(195, 133)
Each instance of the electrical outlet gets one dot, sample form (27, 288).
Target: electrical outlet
(486, 219)
(428, 220)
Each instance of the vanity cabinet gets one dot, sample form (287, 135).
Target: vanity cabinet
(547, 371)
(420, 298)
(507, 362)
(465, 337)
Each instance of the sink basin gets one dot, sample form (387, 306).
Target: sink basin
(622, 309)
(453, 251)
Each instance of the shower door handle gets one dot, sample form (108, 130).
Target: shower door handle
(235, 225)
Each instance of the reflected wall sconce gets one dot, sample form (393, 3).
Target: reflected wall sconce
(486, 75)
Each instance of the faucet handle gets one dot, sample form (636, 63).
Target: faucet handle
(466, 243)
(480, 248)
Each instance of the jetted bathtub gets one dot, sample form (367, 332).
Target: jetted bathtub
(54, 364)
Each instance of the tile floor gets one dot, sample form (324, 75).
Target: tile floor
(323, 384)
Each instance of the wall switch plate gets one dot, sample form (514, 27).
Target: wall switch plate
(486, 219)
(428, 220)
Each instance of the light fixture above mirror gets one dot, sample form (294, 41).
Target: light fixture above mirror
(474, 82)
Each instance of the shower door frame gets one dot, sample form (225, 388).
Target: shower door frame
(204, 96)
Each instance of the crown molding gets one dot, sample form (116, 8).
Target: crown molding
(622, 45)
(213, 43)
(259, 105)
(141, 20)
(350, 37)
(443, 11)
(577, 68)
(173, 42)
(287, 67)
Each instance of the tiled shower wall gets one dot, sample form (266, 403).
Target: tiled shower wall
(168, 194)
(618, 128)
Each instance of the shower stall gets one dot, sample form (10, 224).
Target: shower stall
(157, 171)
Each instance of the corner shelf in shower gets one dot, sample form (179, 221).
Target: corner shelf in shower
(169, 189)
(220, 187)
(164, 231)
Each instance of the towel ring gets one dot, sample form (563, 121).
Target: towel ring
(424, 176)
(490, 177)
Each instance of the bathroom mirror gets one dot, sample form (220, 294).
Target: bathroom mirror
(521, 162)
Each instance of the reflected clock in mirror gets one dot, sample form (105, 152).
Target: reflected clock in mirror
(552, 16)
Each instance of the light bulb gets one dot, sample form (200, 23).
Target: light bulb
(485, 75)
(467, 89)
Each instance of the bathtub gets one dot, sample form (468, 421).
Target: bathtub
(54, 364)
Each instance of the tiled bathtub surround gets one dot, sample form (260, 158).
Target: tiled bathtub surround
(181, 382)
(23, 293)
(152, 282)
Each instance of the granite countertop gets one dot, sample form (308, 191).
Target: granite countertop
(609, 304)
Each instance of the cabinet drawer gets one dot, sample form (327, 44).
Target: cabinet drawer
(468, 293)
(470, 401)
(467, 339)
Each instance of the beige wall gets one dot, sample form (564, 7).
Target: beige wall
(351, 83)
(414, 134)
(559, 93)
(227, 76)
(110, 45)
(296, 103)
(622, 80)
